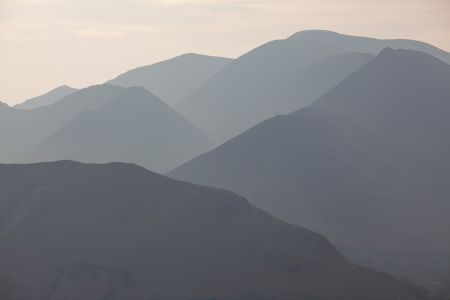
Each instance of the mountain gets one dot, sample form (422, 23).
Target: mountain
(280, 77)
(3, 105)
(135, 127)
(173, 79)
(5, 117)
(46, 99)
(367, 45)
(23, 129)
(117, 231)
(367, 165)
(101, 123)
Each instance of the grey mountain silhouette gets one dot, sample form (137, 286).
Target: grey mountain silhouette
(173, 79)
(101, 123)
(32, 126)
(46, 99)
(119, 231)
(367, 165)
(3, 106)
(4, 109)
(367, 45)
(280, 77)
(135, 127)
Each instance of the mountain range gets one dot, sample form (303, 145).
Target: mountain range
(346, 136)
(173, 79)
(46, 99)
(367, 165)
(135, 127)
(118, 231)
(104, 123)
(280, 77)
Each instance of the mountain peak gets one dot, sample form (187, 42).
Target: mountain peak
(406, 65)
(365, 44)
(48, 98)
(136, 95)
(392, 75)
(314, 33)
(387, 51)
(133, 124)
(64, 87)
(173, 79)
(403, 55)
(139, 90)
(199, 55)
(3, 105)
(191, 54)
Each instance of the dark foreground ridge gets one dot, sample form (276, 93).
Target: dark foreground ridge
(118, 231)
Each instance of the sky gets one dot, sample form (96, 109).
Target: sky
(48, 43)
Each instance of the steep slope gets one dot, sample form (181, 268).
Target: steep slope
(117, 231)
(47, 99)
(136, 127)
(173, 79)
(367, 165)
(275, 79)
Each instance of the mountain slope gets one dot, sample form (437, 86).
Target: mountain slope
(173, 79)
(367, 45)
(23, 129)
(275, 79)
(101, 123)
(136, 127)
(46, 99)
(367, 165)
(117, 231)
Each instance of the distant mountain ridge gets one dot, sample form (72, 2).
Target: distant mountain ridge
(368, 45)
(135, 127)
(31, 126)
(69, 129)
(47, 99)
(118, 231)
(172, 80)
(367, 165)
(274, 79)
(3, 105)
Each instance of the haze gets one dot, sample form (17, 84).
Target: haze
(47, 43)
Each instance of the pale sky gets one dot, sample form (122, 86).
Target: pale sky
(47, 43)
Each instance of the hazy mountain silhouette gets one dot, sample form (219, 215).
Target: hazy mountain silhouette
(47, 99)
(173, 79)
(6, 115)
(4, 107)
(23, 129)
(118, 231)
(135, 127)
(275, 79)
(100, 124)
(367, 164)
(367, 45)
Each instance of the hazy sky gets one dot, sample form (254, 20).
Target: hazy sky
(47, 43)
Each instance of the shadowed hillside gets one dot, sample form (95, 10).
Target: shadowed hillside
(118, 231)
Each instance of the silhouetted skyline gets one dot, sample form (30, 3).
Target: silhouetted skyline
(47, 43)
